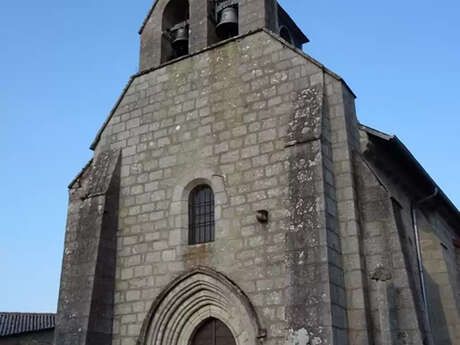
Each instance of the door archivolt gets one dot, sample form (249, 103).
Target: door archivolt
(197, 304)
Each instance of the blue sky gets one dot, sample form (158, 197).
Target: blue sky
(63, 65)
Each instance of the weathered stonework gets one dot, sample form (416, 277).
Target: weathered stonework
(243, 118)
(88, 269)
(267, 128)
(199, 294)
(253, 15)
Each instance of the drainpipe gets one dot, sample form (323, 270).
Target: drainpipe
(420, 262)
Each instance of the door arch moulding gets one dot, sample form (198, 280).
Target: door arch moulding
(194, 297)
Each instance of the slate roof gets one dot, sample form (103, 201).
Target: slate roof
(18, 323)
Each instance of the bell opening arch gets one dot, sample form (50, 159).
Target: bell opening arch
(188, 301)
(175, 30)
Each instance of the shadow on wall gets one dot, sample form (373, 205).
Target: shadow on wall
(457, 260)
(394, 334)
(390, 328)
(451, 256)
(439, 326)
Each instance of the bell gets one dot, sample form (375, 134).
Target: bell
(228, 24)
(180, 39)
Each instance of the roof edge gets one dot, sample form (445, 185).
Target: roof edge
(400, 145)
(23, 313)
(376, 132)
(17, 323)
(294, 24)
(309, 58)
(115, 107)
(144, 23)
(80, 174)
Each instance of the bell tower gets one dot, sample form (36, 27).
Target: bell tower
(176, 28)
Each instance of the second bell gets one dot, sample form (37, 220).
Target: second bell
(180, 38)
(228, 23)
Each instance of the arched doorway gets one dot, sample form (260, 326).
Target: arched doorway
(212, 332)
(182, 311)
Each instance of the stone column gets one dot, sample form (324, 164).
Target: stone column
(312, 260)
(257, 14)
(202, 29)
(383, 277)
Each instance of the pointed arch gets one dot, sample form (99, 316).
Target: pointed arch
(194, 297)
(175, 12)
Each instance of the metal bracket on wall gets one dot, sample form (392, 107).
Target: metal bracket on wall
(262, 216)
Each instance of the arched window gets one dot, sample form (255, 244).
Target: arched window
(285, 34)
(212, 332)
(201, 215)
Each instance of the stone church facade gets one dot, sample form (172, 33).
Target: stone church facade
(234, 198)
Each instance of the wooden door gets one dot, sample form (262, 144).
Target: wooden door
(213, 332)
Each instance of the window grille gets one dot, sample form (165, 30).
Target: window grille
(201, 215)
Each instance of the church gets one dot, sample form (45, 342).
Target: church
(235, 199)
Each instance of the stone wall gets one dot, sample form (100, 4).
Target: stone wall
(268, 128)
(251, 119)
(438, 258)
(33, 338)
(348, 288)
(86, 295)
(457, 254)
(440, 267)
(389, 276)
